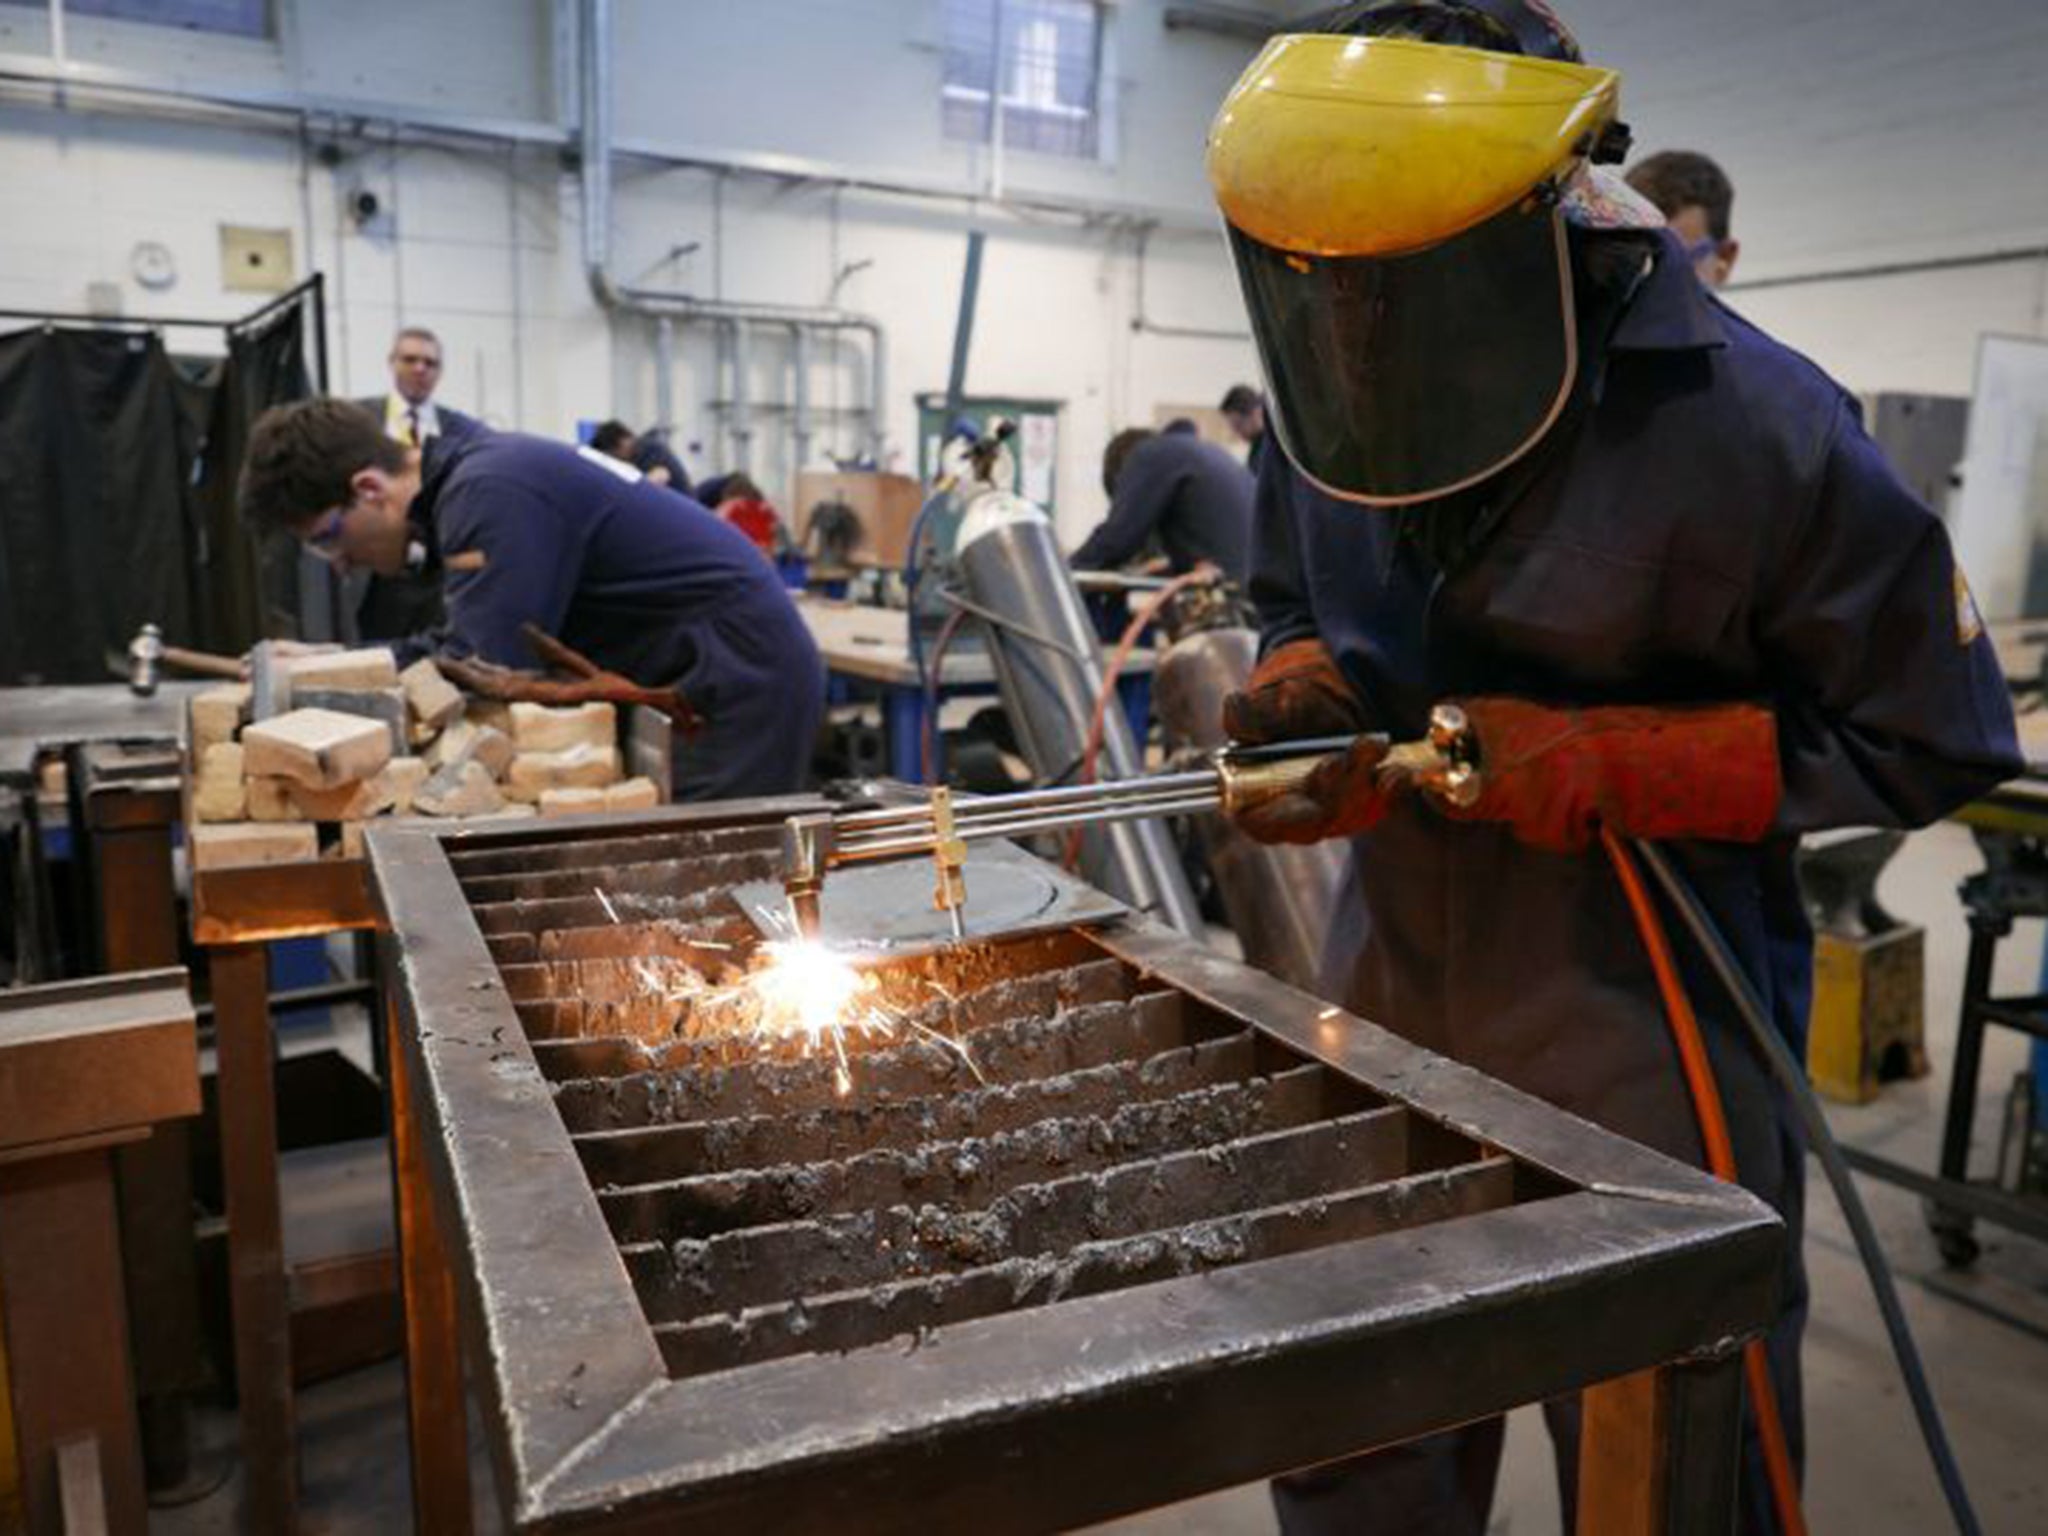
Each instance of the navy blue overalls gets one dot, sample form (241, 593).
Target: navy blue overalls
(643, 581)
(1716, 526)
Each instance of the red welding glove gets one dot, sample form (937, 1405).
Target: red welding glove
(1296, 692)
(1341, 798)
(1557, 775)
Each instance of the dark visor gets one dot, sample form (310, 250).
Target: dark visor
(1398, 379)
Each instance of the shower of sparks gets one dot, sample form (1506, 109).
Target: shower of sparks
(793, 992)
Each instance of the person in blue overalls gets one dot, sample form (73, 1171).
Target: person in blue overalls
(652, 588)
(1530, 465)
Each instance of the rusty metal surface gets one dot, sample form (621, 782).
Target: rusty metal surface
(257, 903)
(38, 720)
(1178, 1226)
(85, 1058)
(85, 1067)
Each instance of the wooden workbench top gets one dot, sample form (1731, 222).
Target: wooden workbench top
(874, 643)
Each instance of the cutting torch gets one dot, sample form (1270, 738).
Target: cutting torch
(939, 826)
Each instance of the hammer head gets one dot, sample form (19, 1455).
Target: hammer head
(145, 660)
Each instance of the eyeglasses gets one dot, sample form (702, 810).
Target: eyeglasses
(324, 537)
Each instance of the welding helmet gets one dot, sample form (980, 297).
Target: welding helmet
(1395, 191)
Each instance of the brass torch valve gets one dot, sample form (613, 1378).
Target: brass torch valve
(1443, 763)
(807, 843)
(949, 854)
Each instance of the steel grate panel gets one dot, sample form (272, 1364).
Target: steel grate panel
(1041, 1122)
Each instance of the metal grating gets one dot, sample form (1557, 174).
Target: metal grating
(1045, 1122)
(1104, 1222)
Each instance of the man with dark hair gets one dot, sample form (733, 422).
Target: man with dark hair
(649, 586)
(1191, 496)
(1697, 201)
(1245, 409)
(1534, 470)
(407, 601)
(647, 452)
(615, 440)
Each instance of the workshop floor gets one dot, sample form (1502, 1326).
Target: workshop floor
(1983, 1332)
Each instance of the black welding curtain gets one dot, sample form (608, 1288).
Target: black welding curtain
(117, 501)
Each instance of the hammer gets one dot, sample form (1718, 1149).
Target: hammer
(148, 656)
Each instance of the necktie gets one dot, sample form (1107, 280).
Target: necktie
(412, 425)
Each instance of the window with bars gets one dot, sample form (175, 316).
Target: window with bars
(1043, 58)
(234, 18)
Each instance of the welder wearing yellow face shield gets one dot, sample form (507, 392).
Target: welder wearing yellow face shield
(1395, 210)
(1531, 467)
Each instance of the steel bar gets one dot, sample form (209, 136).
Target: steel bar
(1031, 824)
(256, 1275)
(1054, 795)
(437, 1418)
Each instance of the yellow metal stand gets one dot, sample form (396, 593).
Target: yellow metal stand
(1867, 1026)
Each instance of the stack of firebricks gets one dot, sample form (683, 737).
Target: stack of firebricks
(350, 738)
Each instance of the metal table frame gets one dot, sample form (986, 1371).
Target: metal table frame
(1640, 1284)
(2011, 827)
(88, 1069)
(236, 914)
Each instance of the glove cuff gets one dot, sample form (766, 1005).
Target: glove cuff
(1557, 775)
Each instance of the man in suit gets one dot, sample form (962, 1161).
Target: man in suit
(391, 607)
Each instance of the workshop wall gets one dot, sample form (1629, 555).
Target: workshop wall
(481, 241)
(1847, 145)
(1890, 132)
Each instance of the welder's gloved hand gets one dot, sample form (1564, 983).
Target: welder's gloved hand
(1556, 776)
(1295, 693)
(1343, 797)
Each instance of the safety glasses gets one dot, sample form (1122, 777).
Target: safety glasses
(324, 537)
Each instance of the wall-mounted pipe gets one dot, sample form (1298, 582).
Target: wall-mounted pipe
(665, 375)
(741, 422)
(1145, 325)
(595, 46)
(800, 401)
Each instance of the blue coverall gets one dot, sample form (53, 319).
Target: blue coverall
(1191, 495)
(643, 581)
(1716, 526)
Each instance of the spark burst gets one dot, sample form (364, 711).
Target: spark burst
(793, 992)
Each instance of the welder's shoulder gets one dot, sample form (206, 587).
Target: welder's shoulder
(1784, 396)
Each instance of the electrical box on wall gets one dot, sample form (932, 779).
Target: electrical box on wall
(255, 260)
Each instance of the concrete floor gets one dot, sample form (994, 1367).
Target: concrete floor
(1984, 1332)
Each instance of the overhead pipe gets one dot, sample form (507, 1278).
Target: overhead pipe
(595, 47)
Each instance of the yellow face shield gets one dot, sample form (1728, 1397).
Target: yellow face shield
(1370, 146)
(1393, 214)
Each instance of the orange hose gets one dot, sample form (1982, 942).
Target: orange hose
(1720, 1150)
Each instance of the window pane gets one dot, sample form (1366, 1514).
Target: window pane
(236, 18)
(1048, 68)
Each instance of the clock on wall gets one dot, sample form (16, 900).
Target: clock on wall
(152, 265)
